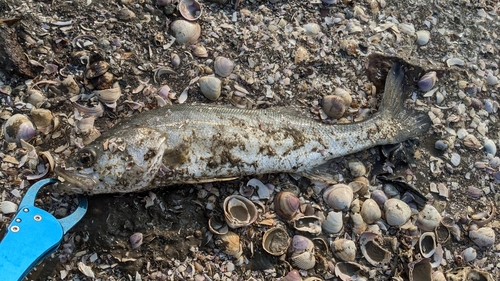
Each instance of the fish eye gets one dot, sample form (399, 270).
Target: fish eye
(87, 157)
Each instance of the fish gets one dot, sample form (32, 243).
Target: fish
(191, 144)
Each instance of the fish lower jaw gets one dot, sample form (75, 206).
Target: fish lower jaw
(75, 182)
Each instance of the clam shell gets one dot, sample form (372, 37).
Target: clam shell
(442, 233)
(372, 251)
(185, 32)
(301, 243)
(239, 211)
(427, 244)
(200, 51)
(356, 167)
(344, 270)
(223, 66)
(190, 9)
(333, 223)
(310, 224)
(293, 275)
(360, 185)
(35, 97)
(423, 37)
(420, 270)
(175, 60)
(483, 237)
(286, 205)
(397, 212)
(109, 96)
(428, 218)
(358, 224)
(370, 211)
(344, 249)
(276, 241)
(345, 95)
(427, 82)
(338, 197)
(469, 254)
(216, 226)
(18, 127)
(210, 87)
(304, 260)
(230, 244)
(97, 68)
(102, 82)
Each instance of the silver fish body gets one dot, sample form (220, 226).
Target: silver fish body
(192, 144)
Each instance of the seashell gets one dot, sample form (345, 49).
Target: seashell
(420, 270)
(484, 217)
(490, 147)
(483, 237)
(109, 96)
(71, 86)
(125, 14)
(293, 275)
(491, 106)
(210, 87)
(310, 224)
(185, 32)
(356, 167)
(35, 97)
(239, 211)
(345, 95)
(379, 197)
(97, 68)
(286, 205)
(345, 270)
(175, 60)
(360, 185)
(18, 127)
(312, 29)
(223, 66)
(333, 223)
(468, 273)
(333, 106)
(370, 211)
(427, 244)
(302, 252)
(216, 226)
(428, 218)
(136, 240)
(199, 51)
(301, 55)
(469, 254)
(344, 249)
(102, 82)
(372, 251)
(454, 61)
(8, 207)
(358, 224)
(190, 9)
(423, 37)
(397, 212)
(438, 276)
(262, 189)
(442, 233)
(338, 197)
(229, 243)
(42, 119)
(276, 241)
(427, 82)
(441, 145)
(491, 80)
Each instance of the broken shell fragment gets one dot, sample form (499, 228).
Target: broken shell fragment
(372, 251)
(223, 66)
(302, 253)
(397, 212)
(109, 96)
(42, 119)
(468, 273)
(429, 218)
(427, 82)
(427, 244)
(18, 127)
(185, 32)
(97, 68)
(344, 249)
(420, 270)
(338, 197)
(286, 205)
(276, 241)
(216, 226)
(190, 9)
(345, 270)
(333, 223)
(210, 87)
(483, 237)
(229, 243)
(370, 211)
(310, 224)
(239, 211)
(36, 98)
(358, 224)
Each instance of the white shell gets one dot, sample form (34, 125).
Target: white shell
(483, 237)
(333, 223)
(427, 244)
(230, 244)
(423, 37)
(370, 211)
(223, 66)
(109, 96)
(397, 212)
(338, 197)
(186, 32)
(8, 207)
(210, 87)
(304, 260)
(469, 254)
(356, 167)
(18, 127)
(358, 224)
(200, 51)
(344, 249)
(429, 218)
(239, 211)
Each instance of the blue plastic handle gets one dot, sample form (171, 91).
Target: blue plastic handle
(33, 235)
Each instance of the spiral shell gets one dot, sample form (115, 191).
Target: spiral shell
(223, 66)
(338, 197)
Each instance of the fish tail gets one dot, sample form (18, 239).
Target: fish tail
(412, 122)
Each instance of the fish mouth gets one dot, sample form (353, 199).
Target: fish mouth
(75, 182)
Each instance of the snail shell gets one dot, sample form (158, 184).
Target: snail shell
(344, 249)
(185, 32)
(286, 205)
(239, 211)
(223, 66)
(338, 197)
(210, 87)
(276, 241)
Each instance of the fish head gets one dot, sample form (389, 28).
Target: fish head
(117, 162)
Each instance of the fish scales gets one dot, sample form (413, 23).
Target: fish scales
(191, 144)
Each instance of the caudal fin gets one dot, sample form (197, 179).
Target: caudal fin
(413, 123)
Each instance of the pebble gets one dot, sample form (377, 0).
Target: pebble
(441, 145)
(455, 159)
(462, 133)
(423, 37)
(491, 80)
(490, 147)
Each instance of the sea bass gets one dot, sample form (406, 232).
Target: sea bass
(185, 144)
